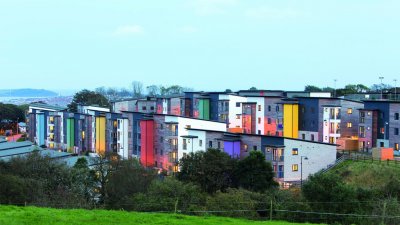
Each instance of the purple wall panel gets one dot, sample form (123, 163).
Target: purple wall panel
(232, 148)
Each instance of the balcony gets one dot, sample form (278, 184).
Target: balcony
(278, 158)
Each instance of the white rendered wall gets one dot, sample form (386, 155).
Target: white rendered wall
(320, 156)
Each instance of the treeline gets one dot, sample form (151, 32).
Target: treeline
(209, 183)
(138, 90)
(350, 89)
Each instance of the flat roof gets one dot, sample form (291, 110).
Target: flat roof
(46, 106)
(269, 136)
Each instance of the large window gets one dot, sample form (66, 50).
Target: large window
(396, 116)
(295, 167)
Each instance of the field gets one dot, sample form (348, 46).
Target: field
(11, 215)
(367, 174)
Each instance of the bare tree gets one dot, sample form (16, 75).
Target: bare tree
(137, 89)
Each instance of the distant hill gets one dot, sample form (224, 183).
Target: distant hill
(27, 92)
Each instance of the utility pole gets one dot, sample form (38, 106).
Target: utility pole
(395, 89)
(381, 78)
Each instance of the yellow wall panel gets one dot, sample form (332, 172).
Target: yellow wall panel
(291, 120)
(100, 135)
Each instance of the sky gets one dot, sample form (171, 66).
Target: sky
(202, 44)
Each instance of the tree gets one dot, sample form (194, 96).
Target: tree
(312, 88)
(328, 193)
(86, 97)
(328, 89)
(126, 178)
(254, 173)
(11, 113)
(212, 170)
(228, 91)
(253, 89)
(112, 94)
(153, 90)
(137, 89)
(169, 195)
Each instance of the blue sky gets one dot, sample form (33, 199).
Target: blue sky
(204, 44)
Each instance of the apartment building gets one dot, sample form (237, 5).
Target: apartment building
(285, 154)
(379, 125)
(165, 139)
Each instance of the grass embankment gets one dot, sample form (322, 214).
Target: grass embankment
(367, 174)
(12, 215)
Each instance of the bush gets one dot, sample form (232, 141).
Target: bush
(170, 195)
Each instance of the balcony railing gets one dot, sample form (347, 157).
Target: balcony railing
(278, 158)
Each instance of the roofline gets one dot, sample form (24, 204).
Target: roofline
(269, 136)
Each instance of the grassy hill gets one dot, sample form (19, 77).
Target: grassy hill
(12, 215)
(367, 174)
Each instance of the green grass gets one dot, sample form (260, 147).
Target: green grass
(367, 174)
(12, 215)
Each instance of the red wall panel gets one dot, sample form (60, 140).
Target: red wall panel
(147, 143)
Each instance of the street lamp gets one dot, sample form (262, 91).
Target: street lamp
(301, 169)
(335, 87)
(381, 78)
(384, 129)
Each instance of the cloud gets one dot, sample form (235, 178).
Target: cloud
(212, 7)
(189, 29)
(128, 30)
(267, 13)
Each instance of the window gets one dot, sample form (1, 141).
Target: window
(303, 136)
(255, 148)
(396, 131)
(295, 151)
(349, 111)
(396, 116)
(396, 146)
(161, 139)
(362, 132)
(219, 144)
(151, 107)
(237, 104)
(269, 120)
(259, 107)
(200, 143)
(245, 147)
(277, 108)
(349, 125)
(259, 132)
(184, 144)
(382, 130)
(269, 108)
(259, 120)
(144, 107)
(238, 117)
(295, 167)
(210, 144)
(312, 137)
